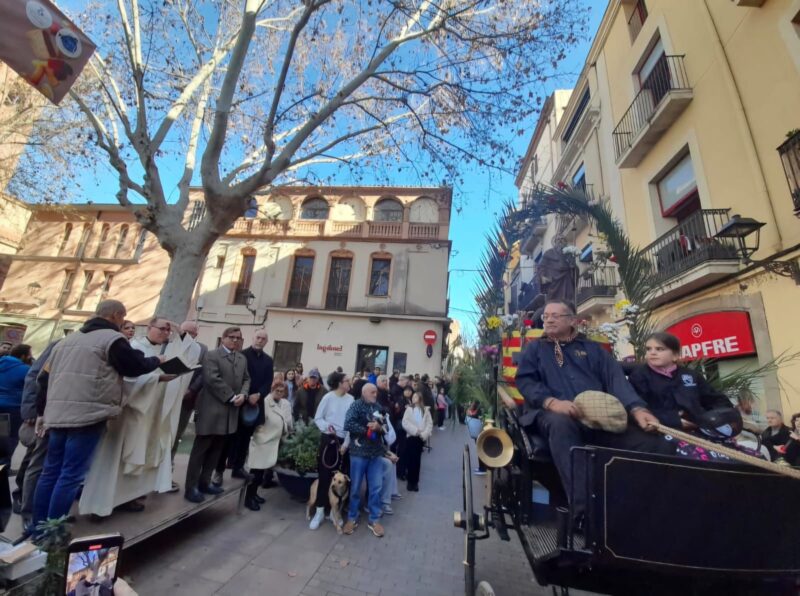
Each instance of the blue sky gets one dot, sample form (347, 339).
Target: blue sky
(484, 192)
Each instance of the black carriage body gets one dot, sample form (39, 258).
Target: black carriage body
(654, 524)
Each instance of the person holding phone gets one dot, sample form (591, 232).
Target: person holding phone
(226, 384)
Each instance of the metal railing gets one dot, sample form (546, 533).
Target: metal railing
(790, 157)
(691, 242)
(669, 74)
(601, 282)
(637, 19)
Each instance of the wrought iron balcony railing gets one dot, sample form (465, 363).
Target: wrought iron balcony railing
(790, 157)
(602, 282)
(692, 242)
(669, 74)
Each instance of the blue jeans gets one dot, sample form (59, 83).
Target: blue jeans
(372, 469)
(69, 455)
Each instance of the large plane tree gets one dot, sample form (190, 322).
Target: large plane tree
(235, 97)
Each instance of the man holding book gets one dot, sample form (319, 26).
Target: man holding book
(134, 458)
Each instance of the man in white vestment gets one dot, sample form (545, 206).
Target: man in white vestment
(134, 457)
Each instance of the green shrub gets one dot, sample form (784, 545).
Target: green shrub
(298, 451)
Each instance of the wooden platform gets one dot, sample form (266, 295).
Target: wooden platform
(161, 511)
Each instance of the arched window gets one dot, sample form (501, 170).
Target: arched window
(87, 230)
(65, 239)
(424, 210)
(349, 209)
(279, 208)
(300, 283)
(315, 208)
(245, 276)
(380, 269)
(101, 242)
(123, 236)
(388, 210)
(341, 266)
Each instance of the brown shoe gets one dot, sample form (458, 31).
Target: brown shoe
(377, 529)
(350, 527)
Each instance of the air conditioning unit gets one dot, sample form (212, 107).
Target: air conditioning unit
(752, 3)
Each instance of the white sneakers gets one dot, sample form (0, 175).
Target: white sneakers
(317, 519)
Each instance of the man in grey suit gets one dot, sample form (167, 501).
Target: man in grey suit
(225, 386)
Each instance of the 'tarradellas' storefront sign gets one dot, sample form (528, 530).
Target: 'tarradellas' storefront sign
(715, 335)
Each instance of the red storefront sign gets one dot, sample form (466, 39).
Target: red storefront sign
(715, 335)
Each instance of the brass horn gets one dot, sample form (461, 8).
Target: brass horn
(494, 446)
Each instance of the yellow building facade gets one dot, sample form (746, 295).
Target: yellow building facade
(684, 115)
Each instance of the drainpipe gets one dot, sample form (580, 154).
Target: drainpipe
(744, 124)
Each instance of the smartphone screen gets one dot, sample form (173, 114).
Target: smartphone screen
(92, 565)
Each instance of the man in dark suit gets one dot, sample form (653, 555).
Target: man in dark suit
(259, 367)
(226, 383)
(193, 390)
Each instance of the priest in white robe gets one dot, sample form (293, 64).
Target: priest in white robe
(134, 456)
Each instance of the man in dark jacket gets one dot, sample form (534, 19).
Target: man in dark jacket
(552, 372)
(308, 397)
(776, 433)
(189, 399)
(259, 366)
(31, 467)
(81, 386)
(13, 369)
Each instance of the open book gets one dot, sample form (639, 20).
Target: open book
(177, 366)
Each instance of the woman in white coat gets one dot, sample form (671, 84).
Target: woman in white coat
(418, 424)
(266, 440)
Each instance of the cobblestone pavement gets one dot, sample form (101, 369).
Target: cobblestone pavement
(273, 553)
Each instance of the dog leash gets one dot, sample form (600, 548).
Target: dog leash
(337, 464)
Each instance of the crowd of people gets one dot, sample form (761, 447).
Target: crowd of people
(102, 421)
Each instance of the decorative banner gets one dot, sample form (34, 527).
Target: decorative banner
(726, 334)
(429, 337)
(42, 45)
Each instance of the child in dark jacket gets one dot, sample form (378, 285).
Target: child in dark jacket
(678, 396)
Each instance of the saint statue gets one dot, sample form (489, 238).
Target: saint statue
(558, 272)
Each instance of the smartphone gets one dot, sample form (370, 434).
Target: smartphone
(92, 564)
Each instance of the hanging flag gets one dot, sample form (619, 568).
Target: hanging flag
(42, 45)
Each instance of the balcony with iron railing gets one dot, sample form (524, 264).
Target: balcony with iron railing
(690, 254)
(790, 158)
(527, 292)
(663, 97)
(601, 282)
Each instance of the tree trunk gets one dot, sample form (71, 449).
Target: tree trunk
(185, 266)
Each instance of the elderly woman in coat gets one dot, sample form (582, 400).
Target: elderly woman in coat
(266, 439)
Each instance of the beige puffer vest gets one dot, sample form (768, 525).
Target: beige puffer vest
(83, 388)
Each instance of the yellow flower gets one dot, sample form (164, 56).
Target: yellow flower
(622, 304)
(493, 322)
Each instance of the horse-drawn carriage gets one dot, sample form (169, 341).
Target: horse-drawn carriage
(653, 524)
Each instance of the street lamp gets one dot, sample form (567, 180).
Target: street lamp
(248, 301)
(739, 228)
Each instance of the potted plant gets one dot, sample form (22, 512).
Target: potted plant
(297, 460)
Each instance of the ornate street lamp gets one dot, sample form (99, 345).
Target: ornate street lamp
(790, 158)
(740, 229)
(248, 301)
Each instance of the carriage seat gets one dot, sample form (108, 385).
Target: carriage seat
(539, 444)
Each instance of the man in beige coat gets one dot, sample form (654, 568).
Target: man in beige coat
(225, 386)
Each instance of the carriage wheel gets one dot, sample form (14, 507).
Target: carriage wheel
(484, 589)
(469, 529)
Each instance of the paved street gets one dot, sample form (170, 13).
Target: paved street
(272, 552)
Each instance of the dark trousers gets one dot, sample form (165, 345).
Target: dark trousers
(328, 465)
(69, 455)
(36, 455)
(10, 442)
(187, 408)
(414, 447)
(399, 448)
(258, 478)
(236, 448)
(440, 417)
(563, 433)
(205, 455)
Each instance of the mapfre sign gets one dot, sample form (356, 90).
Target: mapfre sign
(715, 335)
